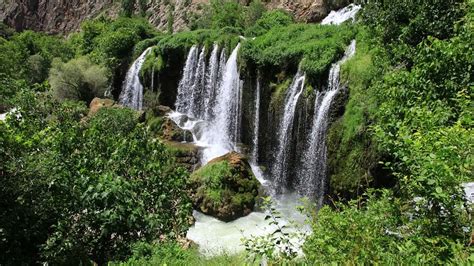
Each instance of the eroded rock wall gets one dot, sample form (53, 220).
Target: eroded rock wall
(65, 16)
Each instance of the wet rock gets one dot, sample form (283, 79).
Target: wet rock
(186, 154)
(163, 110)
(225, 188)
(171, 132)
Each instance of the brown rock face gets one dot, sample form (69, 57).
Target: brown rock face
(53, 16)
(65, 16)
(171, 132)
(98, 103)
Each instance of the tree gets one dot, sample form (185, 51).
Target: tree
(78, 79)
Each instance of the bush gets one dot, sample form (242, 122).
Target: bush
(84, 191)
(78, 79)
(111, 43)
(370, 231)
(219, 14)
(28, 55)
(315, 47)
(401, 25)
(127, 7)
(269, 20)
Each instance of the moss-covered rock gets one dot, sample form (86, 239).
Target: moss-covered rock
(186, 154)
(225, 188)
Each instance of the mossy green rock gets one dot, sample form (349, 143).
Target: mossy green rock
(225, 188)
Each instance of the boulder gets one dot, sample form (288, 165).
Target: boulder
(171, 132)
(225, 188)
(163, 110)
(98, 103)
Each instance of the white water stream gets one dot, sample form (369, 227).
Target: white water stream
(342, 15)
(132, 90)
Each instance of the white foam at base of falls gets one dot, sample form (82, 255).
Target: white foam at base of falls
(215, 237)
(132, 90)
(342, 15)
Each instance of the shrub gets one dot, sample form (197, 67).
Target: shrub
(28, 55)
(84, 191)
(315, 47)
(269, 20)
(370, 231)
(78, 79)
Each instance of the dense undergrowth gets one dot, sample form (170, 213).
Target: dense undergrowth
(78, 188)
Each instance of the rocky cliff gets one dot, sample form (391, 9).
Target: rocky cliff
(64, 16)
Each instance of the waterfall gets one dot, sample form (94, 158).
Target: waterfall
(212, 79)
(198, 90)
(279, 170)
(212, 94)
(342, 15)
(185, 99)
(256, 123)
(312, 174)
(223, 130)
(132, 90)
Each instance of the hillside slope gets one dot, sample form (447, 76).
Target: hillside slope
(65, 16)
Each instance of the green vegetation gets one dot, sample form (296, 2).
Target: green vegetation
(373, 230)
(85, 192)
(353, 154)
(78, 79)
(35, 51)
(409, 112)
(225, 188)
(84, 189)
(315, 47)
(174, 254)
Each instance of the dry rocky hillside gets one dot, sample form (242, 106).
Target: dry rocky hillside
(64, 16)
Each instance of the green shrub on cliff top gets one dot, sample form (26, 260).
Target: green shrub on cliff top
(316, 47)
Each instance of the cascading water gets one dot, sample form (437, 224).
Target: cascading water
(198, 90)
(279, 170)
(218, 135)
(185, 99)
(213, 93)
(312, 174)
(223, 128)
(256, 122)
(342, 15)
(132, 90)
(212, 79)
